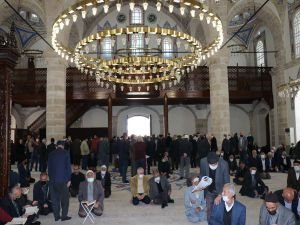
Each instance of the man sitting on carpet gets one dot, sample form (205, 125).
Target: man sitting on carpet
(139, 186)
(89, 191)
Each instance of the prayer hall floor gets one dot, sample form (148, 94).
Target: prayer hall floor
(119, 210)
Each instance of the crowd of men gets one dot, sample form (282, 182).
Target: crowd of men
(217, 203)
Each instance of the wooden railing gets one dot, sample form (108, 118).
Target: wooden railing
(245, 85)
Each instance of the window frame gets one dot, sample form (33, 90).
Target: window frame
(131, 15)
(296, 39)
(261, 37)
(170, 48)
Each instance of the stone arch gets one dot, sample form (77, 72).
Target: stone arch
(17, 117)
(94, 117)
(178, 123)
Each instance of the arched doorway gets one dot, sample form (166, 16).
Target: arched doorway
(139, 125)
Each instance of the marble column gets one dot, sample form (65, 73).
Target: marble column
(219, 95)
(8, 59)
(109, 117)
(166, 116)
(55, 97)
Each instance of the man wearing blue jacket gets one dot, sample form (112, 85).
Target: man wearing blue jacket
(59, 171)
(229, 211)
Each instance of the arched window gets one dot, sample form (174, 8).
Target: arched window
(137, 44)
(260, 55)
(167, 48)
(137, 16)
(296, 27)
(106, 48)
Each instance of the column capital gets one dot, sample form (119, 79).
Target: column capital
(220, 58)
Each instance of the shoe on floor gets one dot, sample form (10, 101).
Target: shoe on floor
(66, 218)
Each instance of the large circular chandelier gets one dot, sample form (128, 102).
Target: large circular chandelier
(137, 69)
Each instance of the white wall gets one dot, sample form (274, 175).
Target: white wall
(181, 121)
(96, 117)
(239, 120)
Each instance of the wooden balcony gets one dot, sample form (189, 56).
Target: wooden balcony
(246, 84)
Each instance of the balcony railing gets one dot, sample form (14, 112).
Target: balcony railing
(245, 84)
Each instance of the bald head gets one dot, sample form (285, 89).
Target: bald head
(288, 194)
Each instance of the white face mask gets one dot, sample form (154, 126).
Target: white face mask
(263, 156)
(141, 175)
(25, 192)
(297, 168)
(90, 179)
(213, 167)
(103, 172)
(253, 172)
(157, 179)
(225, 198)
(231, 160)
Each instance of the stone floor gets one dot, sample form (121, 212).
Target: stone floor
(119, 210)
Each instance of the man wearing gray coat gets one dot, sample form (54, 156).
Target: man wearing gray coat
(217, 169)
(273, 213)
(89, 191)
(160, 189)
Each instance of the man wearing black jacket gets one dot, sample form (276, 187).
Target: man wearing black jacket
(185, 149)
(104, 177)
(41, 195)
(288, 197)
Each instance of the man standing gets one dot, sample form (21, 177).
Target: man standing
(59, 170)
(271, 212)
(243, 144)
(217, 169)
(124, 148)
(185, 149)
(229, 211)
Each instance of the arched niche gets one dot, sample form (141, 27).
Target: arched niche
(182, 120)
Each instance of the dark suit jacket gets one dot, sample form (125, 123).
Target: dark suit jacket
(292, 181)
(238, 216)
(222, 173)
(260, 166)
(41, 193)
(294, 202)
(106, 182)
(8, 207)
(273, 163)
(247, 186)
(98, 192)
(153, 191)
(59, 166)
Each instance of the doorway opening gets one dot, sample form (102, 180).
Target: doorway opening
(139, 125)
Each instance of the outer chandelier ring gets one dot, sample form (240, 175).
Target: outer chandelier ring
(91, 65)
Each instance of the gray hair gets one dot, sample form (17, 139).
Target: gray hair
(230, 187)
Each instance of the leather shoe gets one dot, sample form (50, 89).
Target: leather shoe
(66, 218)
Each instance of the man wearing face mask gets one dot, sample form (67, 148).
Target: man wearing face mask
(229, 211)
(194, 202)
(104, 177)
(160, 189)
(284, 163)
(41, 195)
(139, 187)
(232, 165)
(263, 167)
(76, 178)
(273, 213)
(91, 190)
(217, 169)
(253, 186)
(293, 180)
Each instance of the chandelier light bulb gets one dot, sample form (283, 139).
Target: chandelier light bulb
(122, 88)
(67, 21)
(61, 25)
(201, 16)
(147, 88)
(145, 5)
(130, 88)
(158, 6)
(171, 8)
(193, 12)
(214, 23)
(105, 7)
(118, 6)
(131, 5)
(83, 14)
(208, 19)
(74, 18)
(182, 10)
(94, 11)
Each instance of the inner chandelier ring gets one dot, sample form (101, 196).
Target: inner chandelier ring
(120, 69)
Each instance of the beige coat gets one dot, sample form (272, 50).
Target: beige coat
(134, 185)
